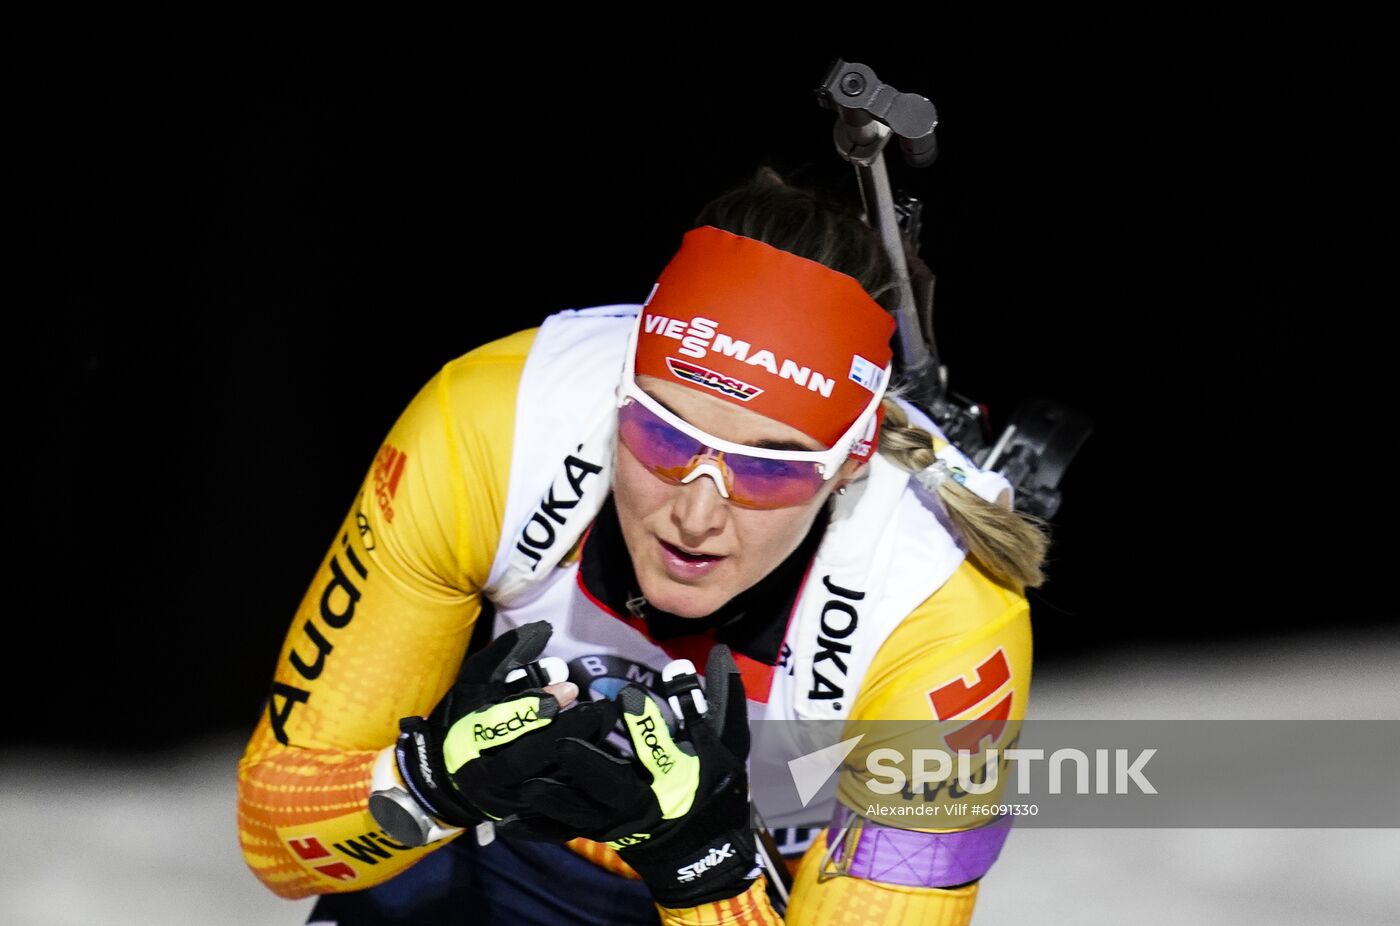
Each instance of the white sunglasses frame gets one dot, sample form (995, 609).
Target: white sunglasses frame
(828, 461)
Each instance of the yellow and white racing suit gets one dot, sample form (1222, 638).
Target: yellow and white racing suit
(383, 628)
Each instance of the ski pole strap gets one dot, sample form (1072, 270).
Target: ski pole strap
(859, 847)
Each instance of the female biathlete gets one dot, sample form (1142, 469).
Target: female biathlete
(745, 526)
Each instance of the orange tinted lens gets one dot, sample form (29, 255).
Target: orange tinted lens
(752, 481)
(757, 482)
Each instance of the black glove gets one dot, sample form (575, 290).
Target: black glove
(678, 812)
(466, 761)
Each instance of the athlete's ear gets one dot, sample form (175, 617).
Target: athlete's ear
(849, 472)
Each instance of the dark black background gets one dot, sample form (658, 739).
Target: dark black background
(233, 275)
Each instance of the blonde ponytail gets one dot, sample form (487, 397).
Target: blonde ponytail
(1010, 546)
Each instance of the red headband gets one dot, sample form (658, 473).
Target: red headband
(767, 330)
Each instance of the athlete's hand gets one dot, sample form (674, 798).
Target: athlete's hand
(678, 812)
(494, 729)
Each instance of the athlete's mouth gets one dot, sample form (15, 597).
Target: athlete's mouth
(691, 557)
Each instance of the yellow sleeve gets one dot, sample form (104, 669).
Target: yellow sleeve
(962, 660)
(751, 908)
(381, 631)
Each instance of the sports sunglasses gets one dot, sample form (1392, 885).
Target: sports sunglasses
(677, 452)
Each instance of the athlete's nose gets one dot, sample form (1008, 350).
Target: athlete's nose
(709, 463)
(700, 505)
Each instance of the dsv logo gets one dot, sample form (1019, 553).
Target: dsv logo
(646, 729)
(518, 721)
